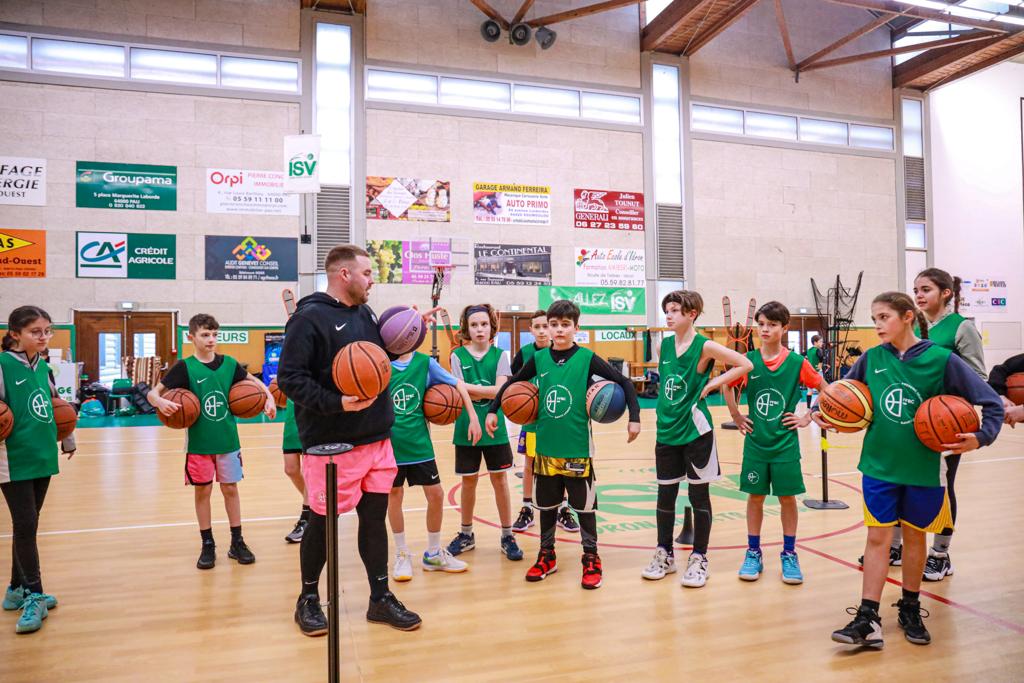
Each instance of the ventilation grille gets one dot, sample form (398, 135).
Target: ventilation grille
(914, 184)
(670, 242)
(333, 220)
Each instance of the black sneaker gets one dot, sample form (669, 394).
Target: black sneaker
(524, 521)
(895, 557)
(208, 556)
(938, 566)
(240, 551)
(388, 610)
(566, 520)
(295, 536)
(910, 621)
(865, 629)
(309, 616)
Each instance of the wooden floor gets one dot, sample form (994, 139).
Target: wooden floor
(119, 546)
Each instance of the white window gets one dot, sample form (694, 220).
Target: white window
(716, 119)
(824, 132)
(332, 102)
(913, 133)
(605, 107)
(464, 92)
(873, 137)
(667, 127)
(70, 57)
(653, 8)
(917, 236)
(401, 87)
(173, 67)
(259, 74)
(532, 99)
(13, 52)
(770, 125)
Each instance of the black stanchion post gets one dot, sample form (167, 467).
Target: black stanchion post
(825, 503)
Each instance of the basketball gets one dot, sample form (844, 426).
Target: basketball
(279, 398)
(188, 411)
(6, 421)
(65, 416)
(246, 399)
(402, 329)
(519, 403)
(606, 402)
(846, 405)
(1015, 388)
(361, 369)
(442, 404)
(941, 418)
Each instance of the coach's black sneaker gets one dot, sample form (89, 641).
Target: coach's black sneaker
(240, 551)
(295, 536)
(208, 556)
(309, 616)
(895, 557)
(938, 566)
(865, 629)
(910, 620)
(388, 610)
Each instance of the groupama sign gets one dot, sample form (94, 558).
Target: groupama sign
(137, 187)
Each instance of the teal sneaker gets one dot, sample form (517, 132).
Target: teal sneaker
(791, 573)
(752, 566)
(13, 598)
(33, 611)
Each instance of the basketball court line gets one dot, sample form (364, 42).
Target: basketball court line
(969, 461)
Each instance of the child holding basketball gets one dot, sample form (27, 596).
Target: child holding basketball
(411, 375)
(484, 368)
(563, 464)
(28, 457)
(903, 481)
(685, 447)
(771, 449)
(212, 447)
(997, 379)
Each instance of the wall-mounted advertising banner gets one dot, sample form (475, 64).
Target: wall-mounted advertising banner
(301, 163)
(615, 335)
(511, 264)
(252, 258)
(22, 181)
(22, 253)
(598, 300)
(511, 203)
(608, 210)
(137, 187)
(408, 199)
(983, 295)
(233, 190)
(610, 267)
(135, 256)
(407, 262)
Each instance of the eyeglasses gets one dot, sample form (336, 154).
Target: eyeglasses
(40, 334)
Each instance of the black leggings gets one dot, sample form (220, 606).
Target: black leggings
(700, 499)
(952, 463)
(25, 500)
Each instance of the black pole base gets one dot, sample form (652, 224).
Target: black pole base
(685, 536)
(826, 504)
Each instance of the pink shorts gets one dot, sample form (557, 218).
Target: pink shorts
(201, 469)
(370, 467)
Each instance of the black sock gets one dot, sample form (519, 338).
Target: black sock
(548, 520)
(372, 539)
(236, 533)
(665, 512)
(313, 553)
(911, 596)
(305, 513)
(870, 604)
(700, 499)
(207, 535)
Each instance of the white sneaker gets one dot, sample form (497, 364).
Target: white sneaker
(443, 561)
(696, 574)
(403, 566)
(661, 564)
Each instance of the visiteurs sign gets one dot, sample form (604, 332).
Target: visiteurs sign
(134, 256)
(137, 187)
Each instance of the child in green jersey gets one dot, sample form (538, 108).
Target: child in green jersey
(291, 449)
(771, 449)
(212, 449)
(997, 380)
(903, 481)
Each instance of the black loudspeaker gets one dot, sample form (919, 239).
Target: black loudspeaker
(519, 34)
(490, 30)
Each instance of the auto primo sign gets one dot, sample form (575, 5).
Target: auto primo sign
(136, 187)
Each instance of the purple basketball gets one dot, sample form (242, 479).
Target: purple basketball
(402, 329)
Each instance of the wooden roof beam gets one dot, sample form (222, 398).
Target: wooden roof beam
(957, 40)
(581, 12)
(920, 13)
(780, 17)
(523, 9)
(669, 21)
(710, 33)
(492, 13)
(933, 60)
(849, 38)
(984, 64)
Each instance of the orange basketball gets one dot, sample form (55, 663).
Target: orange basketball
(361, 369)
(846, 405)
(65, 416)
(941, 418)
(246, 399)
(279, 398)
(442, 404)
(6, 421)
(1015, 387)
(520, 402)
(188, 413)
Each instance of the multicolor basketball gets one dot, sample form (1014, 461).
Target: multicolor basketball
(520, 402)
(846, 405)
(442, 404)
(361, 369)
(606, 402)
(65, 416)
(279, 398)
(940, 418)
(188, 409)
(6, 420)
(1015, 388)
(246, 399)
(402, 329)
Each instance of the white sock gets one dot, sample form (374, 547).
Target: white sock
(433, 542)
(400, 543)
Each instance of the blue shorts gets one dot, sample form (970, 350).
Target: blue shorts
(925, 508)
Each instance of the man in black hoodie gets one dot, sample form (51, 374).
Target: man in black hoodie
(322, 324)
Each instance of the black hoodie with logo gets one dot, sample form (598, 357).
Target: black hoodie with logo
(320, 326)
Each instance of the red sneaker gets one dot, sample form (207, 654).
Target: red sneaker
(591, 571)
(545, 565)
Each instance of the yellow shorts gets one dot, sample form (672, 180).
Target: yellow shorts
(527, 443)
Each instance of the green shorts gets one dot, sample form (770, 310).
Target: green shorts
(760, 478)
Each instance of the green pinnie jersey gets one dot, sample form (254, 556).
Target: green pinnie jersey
(814, 357)
(682, 414)
(771, 394)
(943, 333)
(528, 352)
(891, 451)
(215, 431)
(410, 436)
(485, 373)
(290, 439)
(563, 426)
(30, 450)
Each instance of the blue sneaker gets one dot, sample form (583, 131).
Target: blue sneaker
(752, 566)
(15, 597)
(791, 573)
(461, 543)
(33, 611)
(510, 548)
